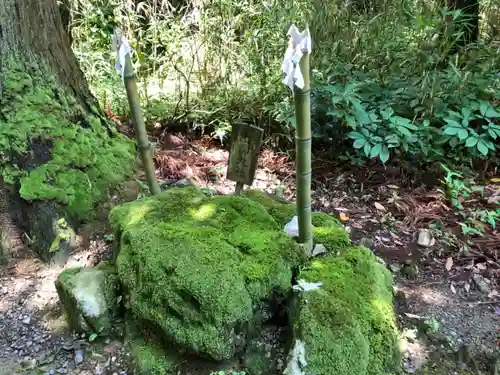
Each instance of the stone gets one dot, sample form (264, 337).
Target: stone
(339, 328)
(89, 297)
(319, 249)
(481, 283)
(425, 238)
(203, 270)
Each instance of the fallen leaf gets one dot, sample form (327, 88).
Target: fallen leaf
(495, 180)
(452, 288)
(448, 264)
(343, 216)
(379, 207)
(393, 186)
(467, 287)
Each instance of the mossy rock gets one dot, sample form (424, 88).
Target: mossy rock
(348, 325)
(199, 267)
(89, 298)
(327, 230)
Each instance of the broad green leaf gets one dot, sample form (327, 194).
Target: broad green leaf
(492, 133)
(355, 135)
(466, 113)
(358, 143)
(362, 116)
(482, 148)
(387, 113)
(490, 145)
(337, 99)
(375, 151)
(463, 134)
(487, 110)
(404, 131)
(367, 148)
(492, 113)
(452, 122)
(471, 142)
(384, 154)
(351, 121)
(397, 120)
(452, 130)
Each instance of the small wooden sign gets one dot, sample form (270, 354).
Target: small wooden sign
(245, 148)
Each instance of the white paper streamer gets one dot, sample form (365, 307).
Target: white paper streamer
(304, 286)
(298, 360)
(299, 43)
(122, 49)
(292, 227)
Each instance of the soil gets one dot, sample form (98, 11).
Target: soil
(443, 306)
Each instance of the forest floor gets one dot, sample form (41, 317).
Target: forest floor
(447, 289)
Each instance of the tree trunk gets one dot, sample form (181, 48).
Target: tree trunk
(58, 154)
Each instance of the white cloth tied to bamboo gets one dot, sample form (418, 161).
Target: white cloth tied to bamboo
(299, 43)
(122, 49)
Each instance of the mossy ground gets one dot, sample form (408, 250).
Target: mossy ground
(52, 147)
(348, 325)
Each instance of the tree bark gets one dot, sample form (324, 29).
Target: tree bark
(58, 153)
(36, 28)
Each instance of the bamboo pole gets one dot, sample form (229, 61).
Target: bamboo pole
(304, 148)
(143, 143)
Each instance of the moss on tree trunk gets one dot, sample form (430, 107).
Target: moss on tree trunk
(56, 149)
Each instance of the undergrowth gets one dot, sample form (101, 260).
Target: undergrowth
(391, 80)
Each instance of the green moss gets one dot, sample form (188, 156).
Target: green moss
(327, 230)
(281, 212)
(150, 359)
(84, 159)
(196, 266)
(348, 325)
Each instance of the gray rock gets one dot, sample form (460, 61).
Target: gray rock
(319, 249)
(481, 283)
(79, 356)
(88, 297)
(425, 238)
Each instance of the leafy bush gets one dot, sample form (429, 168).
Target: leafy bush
(385, 76)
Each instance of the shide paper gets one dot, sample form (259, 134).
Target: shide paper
(299, 43)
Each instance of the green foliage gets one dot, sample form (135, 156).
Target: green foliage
(387, 76)
(348, 325)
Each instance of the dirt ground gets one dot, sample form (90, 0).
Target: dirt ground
(447, 300)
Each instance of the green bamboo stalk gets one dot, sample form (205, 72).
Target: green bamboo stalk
(303, 147)
(143, 143)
